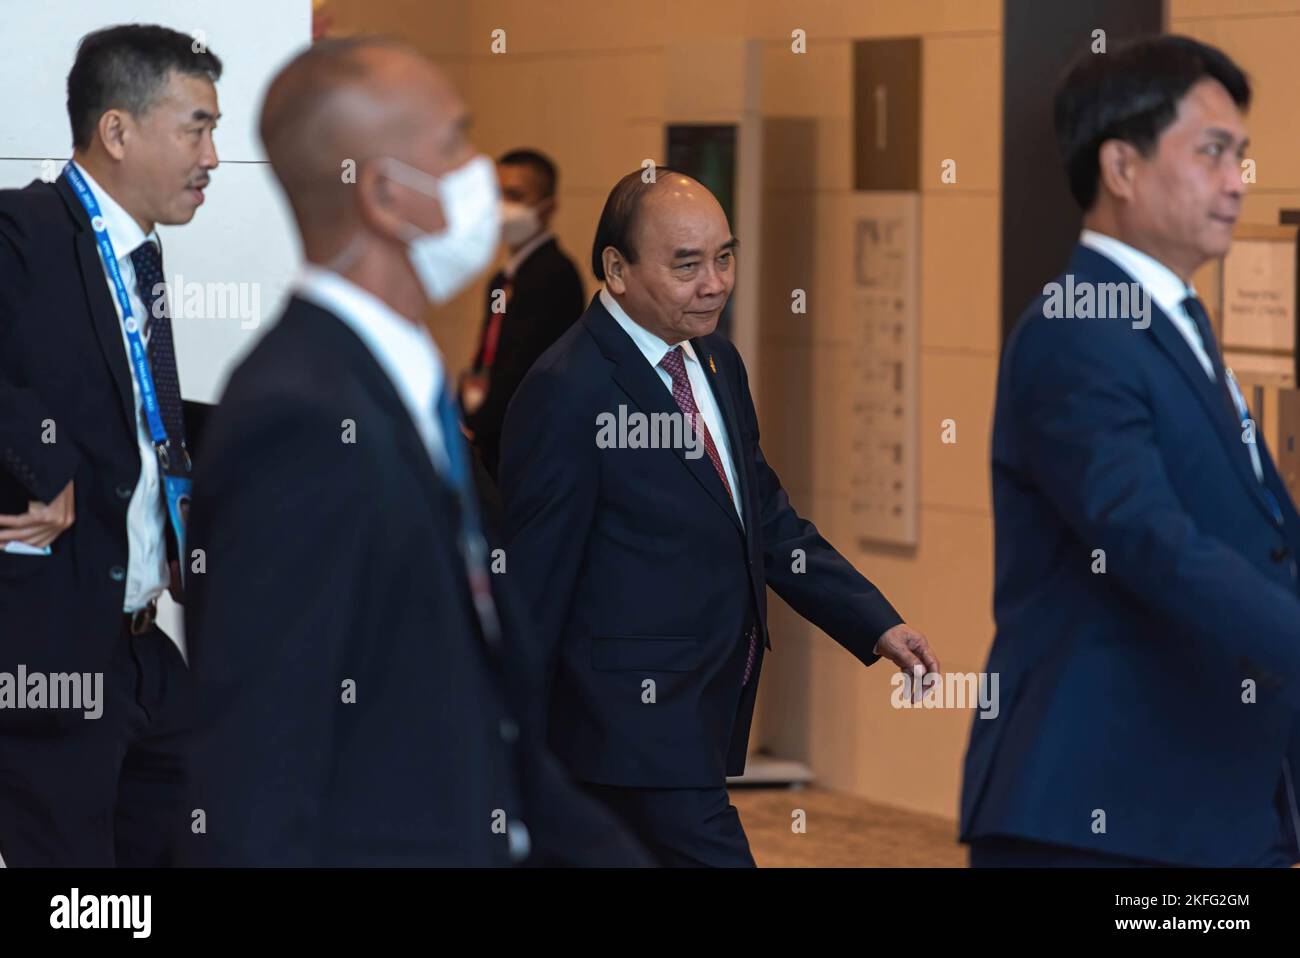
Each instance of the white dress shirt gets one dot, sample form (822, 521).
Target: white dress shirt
(404, 349)
(654, 349)
(1169, 291)
(518, 256)
(146, 521)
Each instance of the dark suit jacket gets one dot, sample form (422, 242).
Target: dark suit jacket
(1122, 692)
(546, 301)
(63, 363)
(333, 567)
(638, 568)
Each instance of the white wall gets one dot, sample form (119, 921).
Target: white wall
(242, 233)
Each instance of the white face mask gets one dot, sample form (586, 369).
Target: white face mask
(519, 224)
(449, 261)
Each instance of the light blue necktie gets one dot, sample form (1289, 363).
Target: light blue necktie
(473, 547)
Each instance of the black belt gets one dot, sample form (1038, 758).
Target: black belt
(141, 620)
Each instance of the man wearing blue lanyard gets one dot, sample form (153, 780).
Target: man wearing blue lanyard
(94, 463)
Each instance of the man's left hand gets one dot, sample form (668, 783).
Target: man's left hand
(906, 648)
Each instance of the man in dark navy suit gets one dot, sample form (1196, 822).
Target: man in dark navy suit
(1148, 622)
(535, 297)
(362, 694)
(647, 560)
(86, 546)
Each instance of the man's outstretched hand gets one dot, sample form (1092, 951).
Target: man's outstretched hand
(907, 648)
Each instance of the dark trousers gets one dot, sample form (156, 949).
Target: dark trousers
(1006, 852)
(104, 791)
(680, 827)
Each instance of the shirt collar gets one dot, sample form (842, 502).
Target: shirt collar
(123, 231)
(404, 349)
(1152, 275)
(652, 347)
(517, 259)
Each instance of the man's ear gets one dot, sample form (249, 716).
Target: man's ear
(380, 205)
(374, 200)
(615, 278)
(112, 132)
(545, 210)
(1117, 168)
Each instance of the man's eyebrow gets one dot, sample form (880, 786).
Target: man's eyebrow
(1224, 136)
(200, 115)
(685, 253)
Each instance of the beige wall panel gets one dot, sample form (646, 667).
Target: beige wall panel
(815, 83)
(960, 388)
(1265, 48)
(961, 85)
(873, 18)
(960, 255)
(820, 705)
(1178, 10)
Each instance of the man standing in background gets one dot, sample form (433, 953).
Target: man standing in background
(535, 297)
(93, 458)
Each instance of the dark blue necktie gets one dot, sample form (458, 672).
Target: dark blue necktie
(1202, 320)
(473, 546)
(157, 329)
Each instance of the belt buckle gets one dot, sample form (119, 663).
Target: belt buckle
(142, 619)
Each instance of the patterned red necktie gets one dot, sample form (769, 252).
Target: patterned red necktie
(492, 332)
(673, 364)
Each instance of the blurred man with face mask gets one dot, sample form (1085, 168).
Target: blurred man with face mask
(94, 463)
(647, 557)
(362, 699)
(534, 298)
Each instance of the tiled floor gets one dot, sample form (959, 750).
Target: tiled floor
(842, 831)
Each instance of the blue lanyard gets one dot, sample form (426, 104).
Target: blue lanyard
(176, 488)
(139, 358)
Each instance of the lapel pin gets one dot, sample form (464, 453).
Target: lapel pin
(711, 366)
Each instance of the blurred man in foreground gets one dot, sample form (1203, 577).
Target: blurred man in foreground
(361, 696)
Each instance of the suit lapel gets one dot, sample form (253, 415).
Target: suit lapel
(1208, 392)
(726, 399)
(382, 390)
(103, 314)
(443, 500)
(643, 386)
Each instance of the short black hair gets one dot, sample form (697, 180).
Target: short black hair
(618, 218)
(1132, 94)
(123, 68)
(535, 160)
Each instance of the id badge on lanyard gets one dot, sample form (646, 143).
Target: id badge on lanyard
(176, 486)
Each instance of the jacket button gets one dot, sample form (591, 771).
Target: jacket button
(519, 839)
(124, 492)
(509, 730)
(117, 573)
